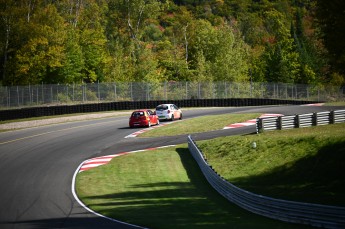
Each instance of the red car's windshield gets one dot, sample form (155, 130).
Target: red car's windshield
(138, 113)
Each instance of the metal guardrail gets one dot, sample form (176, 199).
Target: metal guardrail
(300, 120)
(289, 211)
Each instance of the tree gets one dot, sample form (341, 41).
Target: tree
(41, 56)
(69, 41)
(74, 64)
(93, 42)
(308, 58)
(280, 55)
(224, 53)
(231, 59)
(15, 31)
(8, 17)
(330, 18)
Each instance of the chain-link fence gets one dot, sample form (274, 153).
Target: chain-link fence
(58, 94)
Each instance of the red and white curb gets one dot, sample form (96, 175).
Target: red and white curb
(250, 122)
(314, 104)
(78, 170)
(97, 161)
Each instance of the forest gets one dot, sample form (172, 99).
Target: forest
(87, 41)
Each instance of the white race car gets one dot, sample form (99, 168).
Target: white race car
(168, 112)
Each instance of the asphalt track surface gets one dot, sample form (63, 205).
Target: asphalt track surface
(37, 164)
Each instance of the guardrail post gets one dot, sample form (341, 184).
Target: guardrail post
(332, 117)
(297, 121)
(259, 125)
(314, 119)
(280, 122)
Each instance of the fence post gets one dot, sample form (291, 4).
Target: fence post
(57, 93)
(67, 94)
(147, 91)
(115, 97)
(18, 95)
(307, 92)
(98, 92)
(262, 90)
(30, 95)
(42, 85)
(83, 93)
(37, 94)
(186, 88)
(225, 91)
(132, 91)
(230, 91)
(51, 94)
(8, 102)
(251, 83)
(165, 90)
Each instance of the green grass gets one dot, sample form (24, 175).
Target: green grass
(199, 124)
(338, 103)
(163, 189)
(306, 164)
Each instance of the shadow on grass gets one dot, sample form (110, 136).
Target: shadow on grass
(193, 204)
(84, 221)
(316, 179)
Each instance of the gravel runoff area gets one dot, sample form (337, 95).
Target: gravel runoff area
(47, 121)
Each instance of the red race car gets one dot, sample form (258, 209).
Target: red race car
(143, 117)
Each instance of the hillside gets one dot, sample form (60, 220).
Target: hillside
(50, 42)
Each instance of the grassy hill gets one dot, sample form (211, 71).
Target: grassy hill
(165, 188)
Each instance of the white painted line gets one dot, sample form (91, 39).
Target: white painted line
(79, 169)
(90, 210)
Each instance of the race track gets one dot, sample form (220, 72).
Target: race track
(37, 164)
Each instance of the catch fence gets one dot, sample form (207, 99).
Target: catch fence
(67, 94)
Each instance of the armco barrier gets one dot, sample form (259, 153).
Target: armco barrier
(289, 211)
(129, 105)
(300, 120)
